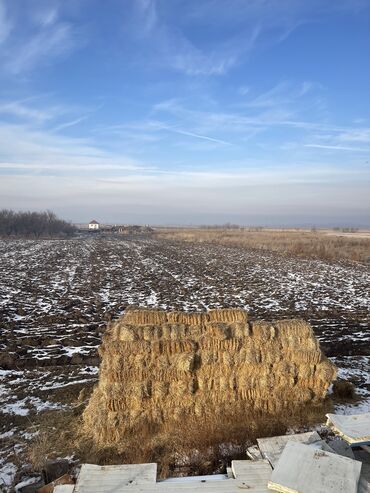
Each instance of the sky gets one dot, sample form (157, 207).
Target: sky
(255, 112)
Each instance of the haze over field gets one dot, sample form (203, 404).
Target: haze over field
(156, 111)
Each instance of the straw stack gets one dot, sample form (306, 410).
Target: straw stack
(159, 367)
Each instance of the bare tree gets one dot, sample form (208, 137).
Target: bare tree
(33, 224)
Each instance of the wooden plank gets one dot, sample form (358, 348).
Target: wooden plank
(355, 429)
(303, 469)
(272, 447)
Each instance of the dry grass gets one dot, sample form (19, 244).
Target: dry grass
(204, 448)
(302, 243)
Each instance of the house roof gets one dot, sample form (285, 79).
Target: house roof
(93, 222)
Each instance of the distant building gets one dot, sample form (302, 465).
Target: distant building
(93, 224)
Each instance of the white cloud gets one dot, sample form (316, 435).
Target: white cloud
(38, 149)
(161, 33)
(356, 135)
(5, 23)
(71, 123)
(165, 31)
(243, 90)
(338, 148)
(280, 106)
(148, 13)
(191, 134)
(41, 168)
(32, 34)
(46, 16)
(20, 109)
(47, 43)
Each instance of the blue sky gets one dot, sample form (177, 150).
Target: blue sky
(187, 112)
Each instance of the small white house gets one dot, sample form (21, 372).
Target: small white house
(93, 224)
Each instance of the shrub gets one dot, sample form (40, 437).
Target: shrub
(344, 389)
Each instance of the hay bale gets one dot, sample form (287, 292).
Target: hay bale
(160, 368)
(228, 315)
(239, 330)
(187, 318)
(294, 327)
(145, 317)
(263, 331)
(218, 331)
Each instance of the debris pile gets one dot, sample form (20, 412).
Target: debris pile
(300, 463)
(159, 367)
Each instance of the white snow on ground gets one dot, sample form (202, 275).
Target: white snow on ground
(7, 434)
(7, 473)
(358, 408)
(26, 482)
(355, 369)
(24, 406)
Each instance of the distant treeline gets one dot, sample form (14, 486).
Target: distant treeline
(33, 224)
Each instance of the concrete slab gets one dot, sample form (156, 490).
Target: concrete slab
(108, 479)
(271, 448)
(363, 486)
(254, 453)
(303, 469)
(355, 429)
(252, 476)
(252, 473)
(341, 447)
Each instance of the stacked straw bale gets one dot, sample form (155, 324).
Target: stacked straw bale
(158, 367)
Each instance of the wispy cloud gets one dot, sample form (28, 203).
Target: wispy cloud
(33, 35)
(282, 94)
(5, 23)
(243, 90)
(197, 136)
(20, 109)
(227, 122)
(71, 123)
(159, 31)
(148, 129)
(148, 14)
(162, 31)
(49, 42)
(356, 135)
(283, 106)
(37, 149)
(46, 15)
(338, 148)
